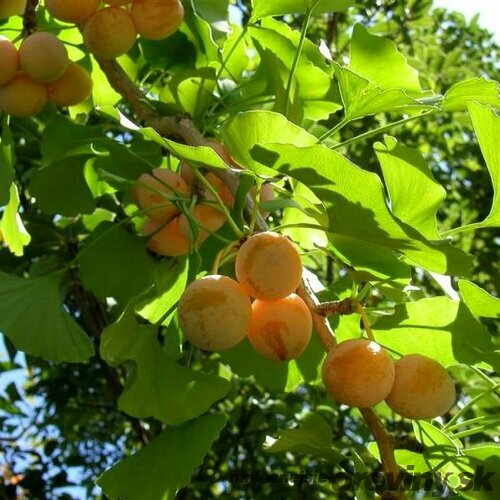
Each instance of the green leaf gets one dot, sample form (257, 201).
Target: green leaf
(63, 137)
(160, 469)
(438, 327)
(6, 163)
(275, 375)
(14, 233)
(479, 90)
(112, 251)
(263, 8)
(479, 301)
(487, 127)
(356, 205)
(32, 316)
(212, 10)
(314, 80)
(61, 188)
(378, 60)
(313, 437)
(170, 283)
(156, 385)
(362, 98)
(414, 193)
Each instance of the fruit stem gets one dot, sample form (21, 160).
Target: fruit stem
(239, 234)
(364, 319)
(321, 324)
(385, 446)
(29, 18)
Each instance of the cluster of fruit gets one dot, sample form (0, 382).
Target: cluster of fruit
(216, 312)
(112, 31)
(161, 193)
(39, 71)
(359, 372)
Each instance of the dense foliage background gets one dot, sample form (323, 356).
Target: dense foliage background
(60, 424)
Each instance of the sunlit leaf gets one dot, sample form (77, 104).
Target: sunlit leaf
(164, 465)
(33, 317)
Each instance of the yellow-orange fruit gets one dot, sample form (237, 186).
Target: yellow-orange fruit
(11, 8)
(214, 313)
(266, 194)
(208, 218)
(117, 3)
(422, 388)
(22, 97)
(109, 33)
(358, 372)
(168, 241)
(43, 57)
(9, 61)
(152, 190)
(280, 329)
(221, 188)
(221, 150)
(157, 19)
(268, 266)
(187, 173)
(72, 11)
(74, 87)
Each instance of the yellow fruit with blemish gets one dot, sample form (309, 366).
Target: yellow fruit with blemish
(43, 57)
(422, 388)
(268, 266)
(157, 19)
(358, 372)
(214, 313)
(22, 97)
(208, 219)
(9, 58)
(155, 192)
(74, 86)
(74, 11)
(280, 329)
(109, 33)
(166, 238)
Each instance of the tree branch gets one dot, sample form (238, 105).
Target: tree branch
(29, 17)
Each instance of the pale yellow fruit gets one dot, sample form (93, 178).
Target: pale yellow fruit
(10, 8)
(9, 61)
(43, 57)
(152, 189)
(22, 97)
(358, 372)
(268, 266)
(157, 19)
(74, 87)
(72, 11)
(214, 313)
(209, 220)
(422, 388)
(109, 33)
(168, 241)
(280, 329)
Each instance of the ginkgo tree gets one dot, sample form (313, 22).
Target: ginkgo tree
(188, 222)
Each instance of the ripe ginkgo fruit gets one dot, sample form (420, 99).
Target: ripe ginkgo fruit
(157, 191)
(22, 96)
(74, 86)
(214, 313)
(157, 19)
(72, 11)
(9, 60)
(207, 219)
(422, 388)
(280, 329)
(268, 266)
(43, 57)
(166, 238)
(109, 33)
(358, 372)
